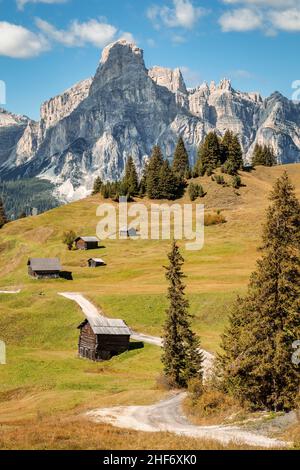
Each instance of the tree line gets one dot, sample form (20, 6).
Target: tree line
(255, 364)
(164, 180)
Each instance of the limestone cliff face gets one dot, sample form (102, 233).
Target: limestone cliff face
(60, 106)
(124, 110)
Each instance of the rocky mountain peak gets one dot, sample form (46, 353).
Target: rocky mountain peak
(122, 46)
(120, 59)
(169, 78)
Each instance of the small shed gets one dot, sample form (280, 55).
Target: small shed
(96, 262)
(87, 243)
(44, 268)
(102, 338)
(126, 232)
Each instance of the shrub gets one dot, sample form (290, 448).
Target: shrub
(69, 239)
(214, 219)
(195, 191)
(209, 170)
(236, 182)
(219, 179)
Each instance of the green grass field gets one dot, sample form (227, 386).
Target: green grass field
(43, 377)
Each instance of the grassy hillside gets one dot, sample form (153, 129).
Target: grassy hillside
(44, 379)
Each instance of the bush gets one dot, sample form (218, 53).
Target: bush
(214, 219)
(195, 191)
(211, 405)
(219, 179)
(236, 182)
(209, 170)
(69, 239)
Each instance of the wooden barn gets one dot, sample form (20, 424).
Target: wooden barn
(87, 243)
(96, 262)
(44, 268)
(102, 338)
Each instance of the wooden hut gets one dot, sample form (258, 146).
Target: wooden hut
(86, 243)
(102, 338)
(44, 268)
(96, 262)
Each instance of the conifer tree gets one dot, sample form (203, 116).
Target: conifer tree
(153, 173)
(181, 357)
(97, 186)
(209, 154)
(181, 166)
(3, 219)
(169, 182)
(130, 181)
(256, 364)
(234, 161)
(263, 155)
(225, 145)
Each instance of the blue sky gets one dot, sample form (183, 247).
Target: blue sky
(48, 45)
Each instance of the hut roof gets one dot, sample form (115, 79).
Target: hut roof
(44, 264)
(87, 239)
(106, 326)
(97, 260)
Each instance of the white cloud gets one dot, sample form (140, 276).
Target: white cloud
(183, 14)
(20, 43)
(288, 20)
(22, 3)
(270, 15)
(240, 19)
(93, 32)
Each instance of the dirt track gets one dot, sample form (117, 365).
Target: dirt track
(167, 415)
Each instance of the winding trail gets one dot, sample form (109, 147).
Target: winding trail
(167, 415)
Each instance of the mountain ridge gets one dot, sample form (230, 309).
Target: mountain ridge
(125, 109)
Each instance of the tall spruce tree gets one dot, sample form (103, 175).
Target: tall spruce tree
(3, 219)
(263, 155)
(209, 154)
(234, 161)
(181, 357)
(181, 165)
(97, 186)
(256, 364)
(225, 145)
(153, 173)
(170, 183)
(130, 183)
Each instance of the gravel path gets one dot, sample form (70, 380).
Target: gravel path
(167, 415)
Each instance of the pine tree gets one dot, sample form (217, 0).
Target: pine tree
(263, 155)
(225, 145)
(209, 154)
(97, 186)
(153, 174)
(181, 357)
(256, 364)
(170, 183)
(234, 161)
(181, 165)
(130, 181)
(3, 219)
